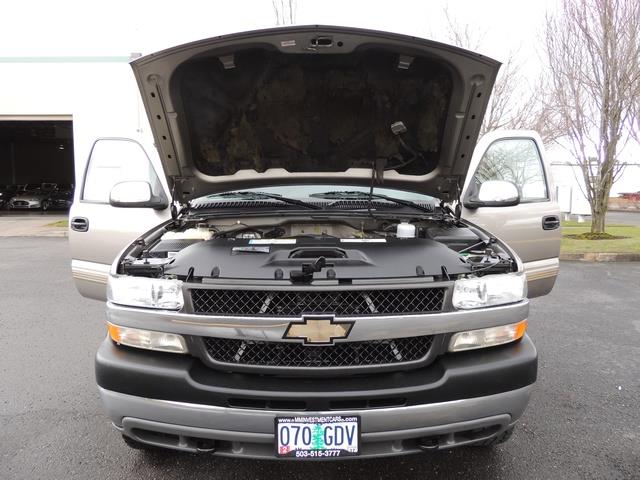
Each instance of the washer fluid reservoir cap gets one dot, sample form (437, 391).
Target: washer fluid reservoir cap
(405, 230)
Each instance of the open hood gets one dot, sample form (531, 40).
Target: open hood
(313, 104)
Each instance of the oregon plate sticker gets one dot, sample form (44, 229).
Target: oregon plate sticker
(317, 437)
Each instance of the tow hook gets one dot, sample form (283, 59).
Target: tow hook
(428, 443)
(203, 445)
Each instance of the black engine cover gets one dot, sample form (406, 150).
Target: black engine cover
(344, 259)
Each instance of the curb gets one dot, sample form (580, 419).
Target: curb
(39, 234)
(601, 257)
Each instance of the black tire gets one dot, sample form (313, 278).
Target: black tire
(503, 437)
(45, 205)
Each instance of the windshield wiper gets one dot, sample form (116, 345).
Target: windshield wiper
(357, 195)
(271, 196)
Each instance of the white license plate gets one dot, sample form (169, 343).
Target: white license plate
(317, 437)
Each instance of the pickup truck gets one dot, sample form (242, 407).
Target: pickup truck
(317, 257)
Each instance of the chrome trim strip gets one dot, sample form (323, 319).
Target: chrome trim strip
(90, 271)
(325, 286)
(377, 327)
(540, 269)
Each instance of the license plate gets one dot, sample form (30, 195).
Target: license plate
(318, 437)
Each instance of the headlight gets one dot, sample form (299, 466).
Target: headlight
(145, 292)
(489, 290)
(487, 337)
(147, 339)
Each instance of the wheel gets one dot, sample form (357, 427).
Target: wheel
(45, 205)
(503, 437)
(136, 445)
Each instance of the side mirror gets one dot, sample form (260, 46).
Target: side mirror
(136, 195)
(494, 193)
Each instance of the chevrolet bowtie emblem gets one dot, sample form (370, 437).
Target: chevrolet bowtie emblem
(320, 330)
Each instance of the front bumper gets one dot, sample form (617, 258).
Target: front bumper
(174, 401)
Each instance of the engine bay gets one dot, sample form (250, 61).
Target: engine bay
(303, 250)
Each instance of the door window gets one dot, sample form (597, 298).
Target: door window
(516, 160)
(113, 161)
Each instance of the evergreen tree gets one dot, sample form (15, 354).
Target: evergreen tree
(317, 441)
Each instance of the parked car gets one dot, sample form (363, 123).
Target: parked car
(320, 260)
(60, 198)
(35, 196)
(5, 194)
(10, 191)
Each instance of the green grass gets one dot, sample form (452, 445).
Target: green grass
(60, 223)
(629, 244)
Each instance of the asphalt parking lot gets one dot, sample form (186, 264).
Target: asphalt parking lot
(628, 218)
(583, 421)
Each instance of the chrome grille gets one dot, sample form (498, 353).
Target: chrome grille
(343, 354)
(296, 303)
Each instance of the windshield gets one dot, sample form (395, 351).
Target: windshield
(309, 191)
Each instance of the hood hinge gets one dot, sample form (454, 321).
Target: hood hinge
(453, 206)
(177, 206)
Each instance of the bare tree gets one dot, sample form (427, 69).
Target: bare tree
(634, 131)
(285, 11)
(461, 34)
(593, 52)
(514, 102)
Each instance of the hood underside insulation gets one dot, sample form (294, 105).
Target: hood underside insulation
(308, 113)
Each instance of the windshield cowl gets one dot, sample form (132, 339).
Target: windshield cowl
(318, 200)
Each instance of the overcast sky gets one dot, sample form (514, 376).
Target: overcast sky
(117, 27)
(65, 27)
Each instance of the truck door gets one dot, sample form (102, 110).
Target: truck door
(531, 228)
(98, 230)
